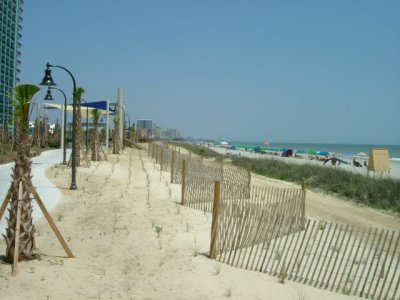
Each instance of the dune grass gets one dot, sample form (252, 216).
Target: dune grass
(374, 192)
(378, 193)
(199, 150)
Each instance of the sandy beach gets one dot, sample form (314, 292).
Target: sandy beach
(305, 159)
(111, 223)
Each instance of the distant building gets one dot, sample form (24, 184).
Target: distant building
(10, 43)
(157, 132)
(144, 128)
(170, 134)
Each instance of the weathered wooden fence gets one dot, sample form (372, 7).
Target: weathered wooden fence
(197, 176)
(199, 184)
(269, 236)
(170, 159)
(265, 230)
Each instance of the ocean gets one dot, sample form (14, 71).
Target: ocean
(394, 150)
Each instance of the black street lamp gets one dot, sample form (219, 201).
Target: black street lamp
(50, 97)
(48, 81)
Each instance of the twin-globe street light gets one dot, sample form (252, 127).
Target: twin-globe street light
(48, 81)
(50, 97)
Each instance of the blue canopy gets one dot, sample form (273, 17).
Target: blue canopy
(99, 105)
(323, 153)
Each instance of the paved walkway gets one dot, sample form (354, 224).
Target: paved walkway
(47, 191)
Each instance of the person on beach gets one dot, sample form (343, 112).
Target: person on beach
(333, 160)
(356, 163)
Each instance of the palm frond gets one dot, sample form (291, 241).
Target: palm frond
(21, 97)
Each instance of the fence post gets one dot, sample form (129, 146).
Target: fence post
(157, 150)
(161, 158)
(303, 204)
(214, 224)
(249, 179)
(172, 166)
(222, 169)
(183, 182)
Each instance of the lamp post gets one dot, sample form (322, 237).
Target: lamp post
(48, 81)
(87, 126)
(64, 137)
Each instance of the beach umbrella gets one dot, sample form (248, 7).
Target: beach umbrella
(323, 153)
(312, 152)
(362, 154)
(257, 149)
(301, 151)
(349, 154)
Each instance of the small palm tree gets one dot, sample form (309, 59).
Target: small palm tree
(95, 137)
(22, 96)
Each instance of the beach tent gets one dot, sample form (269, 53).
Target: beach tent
(287, 153)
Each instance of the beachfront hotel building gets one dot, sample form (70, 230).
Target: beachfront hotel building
(10, 44)
(145, 128)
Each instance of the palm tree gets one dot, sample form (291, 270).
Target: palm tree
(95, 138)
(78, 97)
(22, 96)
(116, 138)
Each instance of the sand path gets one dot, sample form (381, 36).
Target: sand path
(332, 209)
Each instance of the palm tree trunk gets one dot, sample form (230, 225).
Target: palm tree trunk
(95, 145)
(78, 133)
(116, 139)
(21, 173)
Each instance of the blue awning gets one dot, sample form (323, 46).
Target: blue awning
(99, 105)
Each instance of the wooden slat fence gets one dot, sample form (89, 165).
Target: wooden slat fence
(200, 176)
(265, 230)
(267, 237)
(200, 180)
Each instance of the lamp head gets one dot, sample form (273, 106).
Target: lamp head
(48, 95)
(47, 79)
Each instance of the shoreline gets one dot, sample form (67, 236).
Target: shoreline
(394, 163)
(344, 150)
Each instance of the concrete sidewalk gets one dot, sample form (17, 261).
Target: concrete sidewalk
(48, 192)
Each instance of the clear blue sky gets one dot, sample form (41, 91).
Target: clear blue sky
(289, 71)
